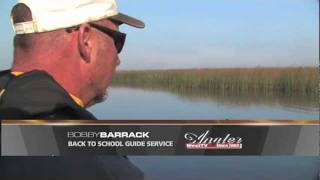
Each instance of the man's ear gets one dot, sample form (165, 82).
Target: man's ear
(84, 42)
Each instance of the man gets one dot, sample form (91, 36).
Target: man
(65, 55)
(69, 46)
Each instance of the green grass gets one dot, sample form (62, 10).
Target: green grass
(267, 81)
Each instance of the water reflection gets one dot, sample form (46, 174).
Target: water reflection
(137, 103)
(294, 101)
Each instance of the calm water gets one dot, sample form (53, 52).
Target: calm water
(128, 103)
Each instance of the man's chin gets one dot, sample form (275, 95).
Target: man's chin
(98, 99)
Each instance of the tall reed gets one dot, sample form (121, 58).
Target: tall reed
(287, 81)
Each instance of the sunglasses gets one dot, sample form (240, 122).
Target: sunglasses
(119, 38)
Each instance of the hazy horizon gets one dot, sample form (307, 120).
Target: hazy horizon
(212, 68)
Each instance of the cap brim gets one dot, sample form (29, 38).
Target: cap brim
(122, 18)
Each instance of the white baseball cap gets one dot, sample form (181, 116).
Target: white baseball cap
(49, 15)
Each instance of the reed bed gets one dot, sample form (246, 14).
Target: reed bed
(286, 81)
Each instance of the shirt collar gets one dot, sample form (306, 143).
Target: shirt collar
(75, 98)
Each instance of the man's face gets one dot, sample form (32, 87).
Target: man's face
(106, 59)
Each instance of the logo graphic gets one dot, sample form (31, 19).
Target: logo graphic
(204, 141)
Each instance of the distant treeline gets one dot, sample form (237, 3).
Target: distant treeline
(289, 81)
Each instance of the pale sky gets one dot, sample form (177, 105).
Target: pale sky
(209, 34)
